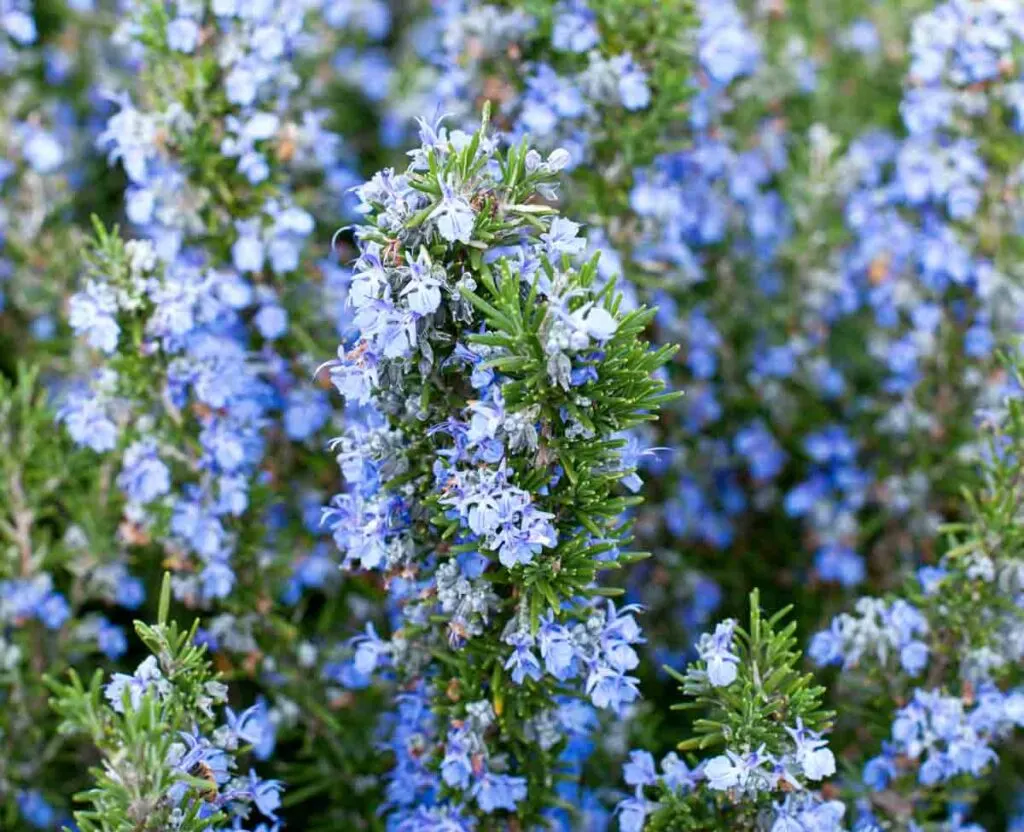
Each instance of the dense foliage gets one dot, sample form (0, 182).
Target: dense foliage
(524, 414)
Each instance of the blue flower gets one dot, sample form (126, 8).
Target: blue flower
(611, 689)
(266, 795)
(878, 771)
(456, 767)
(522, 663)
(914, 657)
(370, 650)
(634, 92)
(557, 649)
(632, 813)
(727, 50)
(716, 650)
(111, 640)
(144, 476)
(639, 770)
(93, 315)
(839, 563)
(43, 151)
(183, 34)
(248, 252)
(306, 411)
(271, 321)
(453, 215)
(499, 791)
(19, 24)
(575, 28)
(35, 810)
(765, 456)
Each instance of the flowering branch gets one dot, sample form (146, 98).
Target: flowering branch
(164, 765)
(485, 481)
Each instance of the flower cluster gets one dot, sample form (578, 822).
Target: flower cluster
(566, 94)
(816, 363)
(201, 304)
(821, 203)
(878, 630)
(495, 377)
(944, 651)
(935, 732)
(47, 133)
(190, 384)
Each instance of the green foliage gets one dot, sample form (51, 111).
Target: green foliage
(34, 469)
(136, 741)
(769, 693)
(45, 487)
(624, 394)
